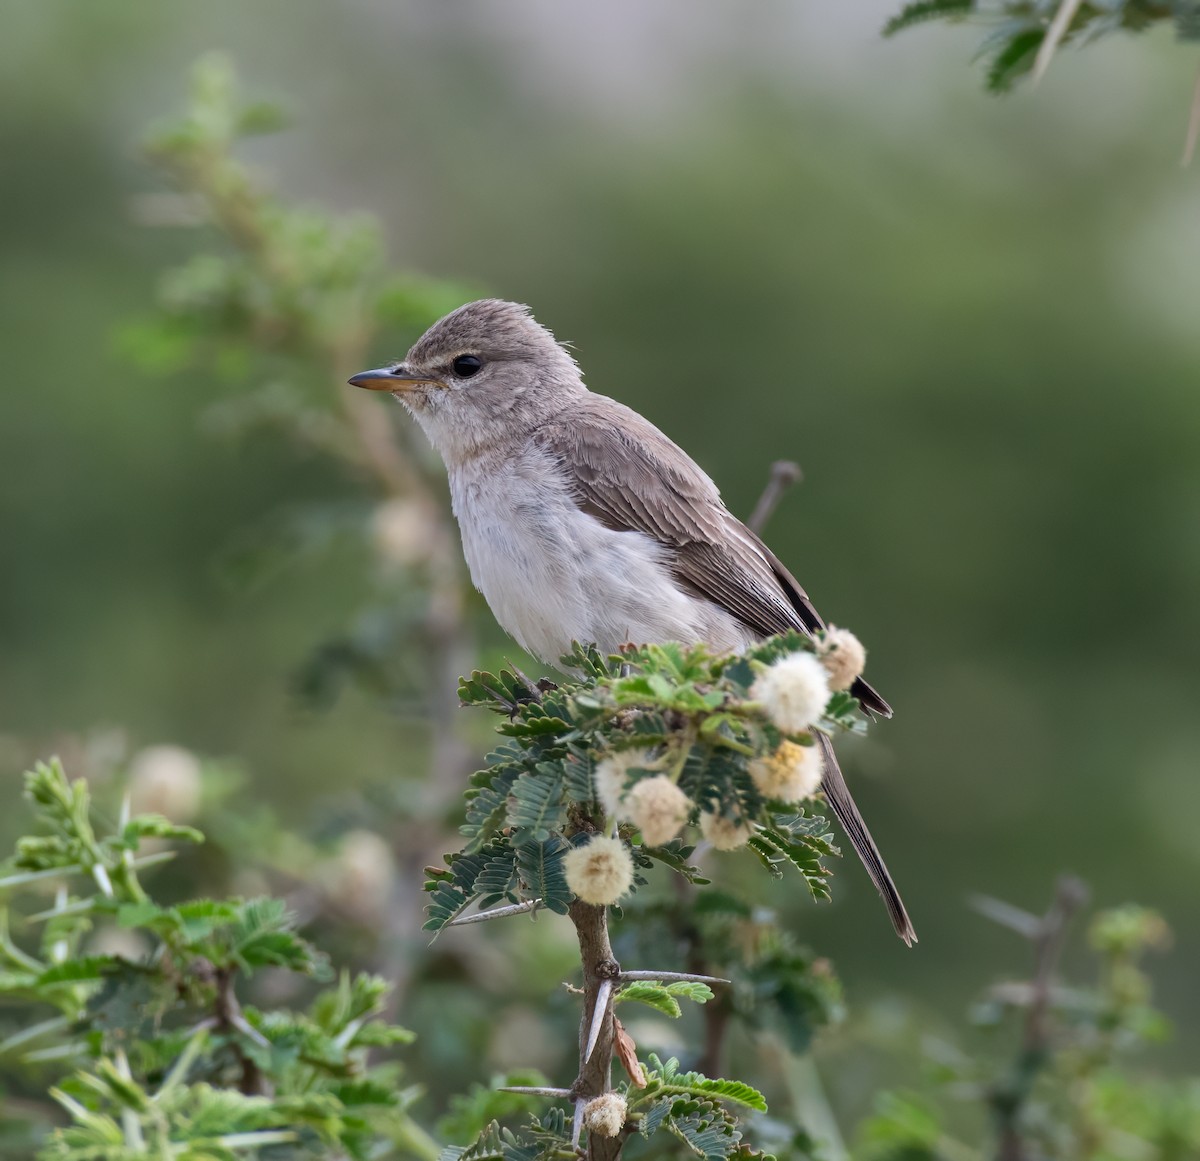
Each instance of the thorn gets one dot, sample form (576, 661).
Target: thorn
(534, 1090)
(577, 1122)
(668, 977)
(603, 995)
(495, 913)
(1018, 920)
(100, 874)
(246, 1029)
(1054, 34)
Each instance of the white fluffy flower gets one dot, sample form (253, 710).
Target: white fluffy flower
(793, 691)
(658, 808)
(605, 1115)
(165, 780)
(402, 532)
(724, 833)
(843, 656)
(362, 873)
(609, 777)
(600, 872)
(791, 774)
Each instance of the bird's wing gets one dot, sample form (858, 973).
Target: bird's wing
(631, 477)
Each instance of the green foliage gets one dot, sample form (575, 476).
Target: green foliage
(1019, 27)
(664, 997)
(685, 1105)
(1070, 1089)
(154, 1053)
(280, 304)
(668, 1080)
(472, 1113)
(688, 709)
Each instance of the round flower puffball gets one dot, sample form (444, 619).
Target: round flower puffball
(843, 656)
(605, 1115)
(658, 808)
(165, 780)
(599, 872)
(724, 833)
(609, 777)
(793, 691)
(791, 774)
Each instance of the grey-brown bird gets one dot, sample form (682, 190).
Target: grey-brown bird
(581, 521)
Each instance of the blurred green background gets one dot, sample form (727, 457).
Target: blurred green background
(971, 321)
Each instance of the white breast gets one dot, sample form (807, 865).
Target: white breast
(553, 574)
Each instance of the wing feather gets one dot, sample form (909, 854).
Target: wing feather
(631, 477)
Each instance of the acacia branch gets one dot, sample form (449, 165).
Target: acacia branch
(1009, 1098)
(784, 473)
(600, 970)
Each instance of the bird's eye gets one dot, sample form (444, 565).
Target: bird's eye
(467, 365)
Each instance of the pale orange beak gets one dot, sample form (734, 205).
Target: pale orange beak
(388, 379)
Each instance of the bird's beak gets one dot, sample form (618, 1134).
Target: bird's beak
(393, 379)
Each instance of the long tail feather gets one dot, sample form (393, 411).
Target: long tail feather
(838, 794)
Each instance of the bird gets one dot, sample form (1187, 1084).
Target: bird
(582, 522)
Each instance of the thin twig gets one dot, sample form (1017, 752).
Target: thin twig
(600, 969)
(228, 1013)
(1193, 129)
(496, 913)
(784, 473)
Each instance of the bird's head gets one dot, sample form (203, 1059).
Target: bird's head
(486, 370)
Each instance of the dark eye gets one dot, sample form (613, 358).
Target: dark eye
(467, 365)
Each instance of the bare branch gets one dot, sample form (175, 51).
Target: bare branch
(600, 971)
(784, 473)
(1008, 1098)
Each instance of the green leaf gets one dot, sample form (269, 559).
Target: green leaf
(666, 1077)
(541, 868)
(653, 996)
(714, 1138)
(156, 826)
(1014, 60)
(692, 990)
(536, 804)
(921, 11)
(90, 967)
(663, 996)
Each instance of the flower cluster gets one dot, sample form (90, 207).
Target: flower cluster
(655, 805)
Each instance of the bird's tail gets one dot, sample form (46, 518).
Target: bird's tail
(838, 794)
